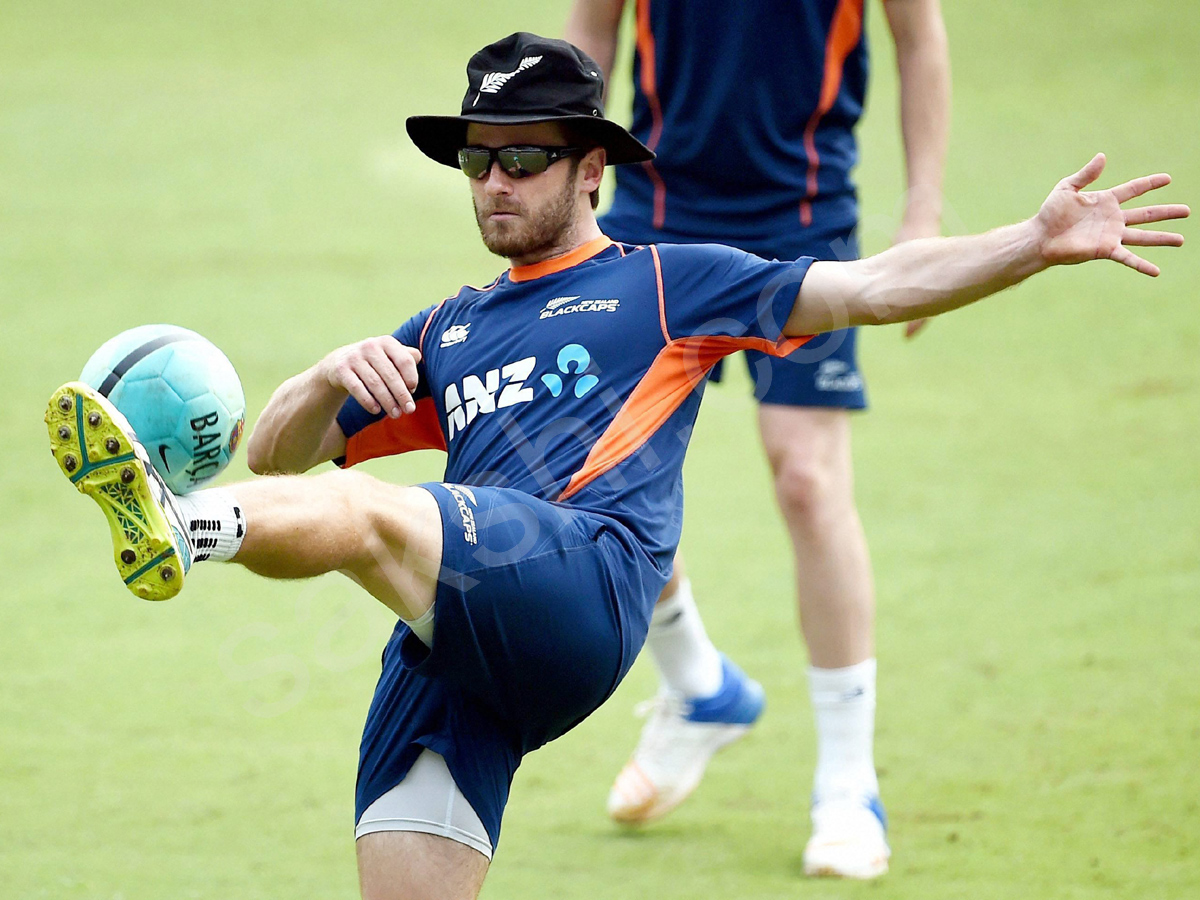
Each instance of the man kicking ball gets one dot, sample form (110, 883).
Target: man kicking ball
(563, 394)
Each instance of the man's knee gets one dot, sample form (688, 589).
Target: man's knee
(407, 865)
(809, 451)
(806, 488)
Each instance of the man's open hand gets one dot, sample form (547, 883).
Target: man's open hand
(1077, 226)
(380, 373)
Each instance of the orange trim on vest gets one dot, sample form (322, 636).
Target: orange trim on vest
(676, 371)
(560, 263)
(845, 32)
(662, 303)
(649, 85)
(425, 327)
(660, 195)
(420, 430)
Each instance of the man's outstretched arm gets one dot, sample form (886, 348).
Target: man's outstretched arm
(927, 277)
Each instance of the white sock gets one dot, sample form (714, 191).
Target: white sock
(844, 705)
(215, 523)
(422, 626)
(687, 661)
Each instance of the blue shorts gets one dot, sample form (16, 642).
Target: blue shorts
(824, 372)
(540, 611)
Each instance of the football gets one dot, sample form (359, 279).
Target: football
(180, 394)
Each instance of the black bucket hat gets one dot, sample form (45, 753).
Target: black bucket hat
(524, 79)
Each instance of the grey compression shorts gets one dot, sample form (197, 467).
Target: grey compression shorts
(428, 801)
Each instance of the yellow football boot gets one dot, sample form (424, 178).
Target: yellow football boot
(98, 451)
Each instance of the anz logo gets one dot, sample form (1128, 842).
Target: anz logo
(505, 386)
(479, 395)
(572, 355)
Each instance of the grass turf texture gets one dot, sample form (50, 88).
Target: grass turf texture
(1028, 477)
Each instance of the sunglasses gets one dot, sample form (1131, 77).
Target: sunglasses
(517, 162)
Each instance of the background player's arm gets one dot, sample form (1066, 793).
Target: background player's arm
(592, 27)
(923, 63)
(299, 428)
(935, 275)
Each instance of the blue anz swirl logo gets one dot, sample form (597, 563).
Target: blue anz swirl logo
(573, 359)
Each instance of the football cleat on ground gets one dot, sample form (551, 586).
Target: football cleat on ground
(98, 451)
(849, 839)
(677, 742)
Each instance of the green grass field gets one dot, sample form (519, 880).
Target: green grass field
(1029, 477)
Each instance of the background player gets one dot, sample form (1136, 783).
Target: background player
(522, 606)
(754, 149)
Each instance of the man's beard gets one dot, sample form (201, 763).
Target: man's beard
(528, 234)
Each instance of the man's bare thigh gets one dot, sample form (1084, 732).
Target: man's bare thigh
(410, 865)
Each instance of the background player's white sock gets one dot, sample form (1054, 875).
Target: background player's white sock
(216, 523)
(844, 704)
(422, 626)
(687, 661)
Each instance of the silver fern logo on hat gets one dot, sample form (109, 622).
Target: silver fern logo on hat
(493, 81)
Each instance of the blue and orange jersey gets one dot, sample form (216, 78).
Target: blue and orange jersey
(577, 380)
(751, 107)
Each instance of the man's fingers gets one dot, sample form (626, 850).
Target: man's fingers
(389, 403)
(1087, 174)
(405, 360)
(1129, 258)
(911, 328)
(1146, 214)
(1134, 238)
(381, 397)
(356, 389)
(395, 396)
(1130, 189)
(380, 373)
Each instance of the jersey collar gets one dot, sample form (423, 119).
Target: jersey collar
(559, 263)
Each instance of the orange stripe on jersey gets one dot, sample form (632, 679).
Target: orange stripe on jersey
(420, 430)
(662, 303)
(649, 85)
(648, 77)
(425, 327)
(560, 263)
(844, 33)
(676, 371)
(660, 195)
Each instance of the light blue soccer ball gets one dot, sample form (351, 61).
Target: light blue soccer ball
(180, 394)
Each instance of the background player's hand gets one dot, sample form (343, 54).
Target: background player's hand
(380, 373)
(912, 229)
(1075, 225)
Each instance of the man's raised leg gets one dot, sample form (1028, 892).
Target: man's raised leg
(385, 536)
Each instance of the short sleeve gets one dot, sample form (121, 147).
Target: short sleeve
(710, 289)
(370, 435)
